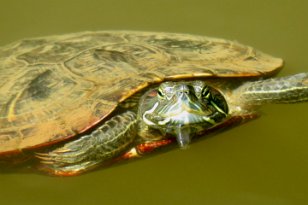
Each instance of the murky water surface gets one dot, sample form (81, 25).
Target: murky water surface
(262, 162)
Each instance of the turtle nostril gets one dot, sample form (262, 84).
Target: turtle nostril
(184, 90)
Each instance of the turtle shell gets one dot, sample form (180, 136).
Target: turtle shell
(53, 88)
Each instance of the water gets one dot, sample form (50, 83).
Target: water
(262, 162)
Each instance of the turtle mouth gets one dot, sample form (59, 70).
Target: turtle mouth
(185, 118)
(178, 118)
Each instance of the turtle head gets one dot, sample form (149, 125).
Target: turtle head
(182, 109)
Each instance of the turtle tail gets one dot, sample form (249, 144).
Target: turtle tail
(289, 89)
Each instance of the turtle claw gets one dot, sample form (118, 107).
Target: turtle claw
(70, 170)
(55, 163)
(44, 158)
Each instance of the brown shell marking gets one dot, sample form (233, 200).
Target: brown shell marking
(54, 87)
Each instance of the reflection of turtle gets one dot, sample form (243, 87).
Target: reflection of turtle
(101, 93)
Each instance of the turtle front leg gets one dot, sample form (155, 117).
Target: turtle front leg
(289, 89)
(113, 138)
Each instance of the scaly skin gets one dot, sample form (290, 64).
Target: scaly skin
(289, 89)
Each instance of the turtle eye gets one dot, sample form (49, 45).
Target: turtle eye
(160, 93)
(206, 93)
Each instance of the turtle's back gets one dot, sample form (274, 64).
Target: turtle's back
(53, 88)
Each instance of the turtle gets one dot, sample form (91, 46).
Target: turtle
(78, 101)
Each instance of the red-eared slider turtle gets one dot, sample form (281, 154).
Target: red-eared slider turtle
(79, 100)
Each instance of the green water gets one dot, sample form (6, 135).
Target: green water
(262, 162)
